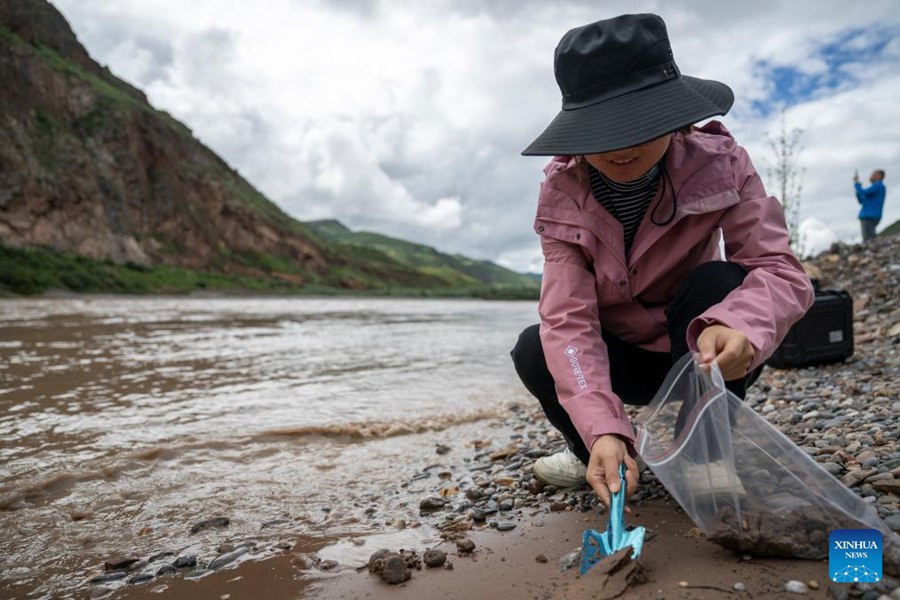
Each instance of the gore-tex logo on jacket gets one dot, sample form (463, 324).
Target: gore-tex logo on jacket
(571, 352)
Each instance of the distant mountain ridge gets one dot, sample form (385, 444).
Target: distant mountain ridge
(456, 269)
(89, 169)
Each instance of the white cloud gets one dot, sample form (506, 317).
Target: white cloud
(408, 118)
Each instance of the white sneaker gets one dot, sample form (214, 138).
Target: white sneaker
(562, 469)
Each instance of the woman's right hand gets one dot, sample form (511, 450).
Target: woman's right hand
(607, 453)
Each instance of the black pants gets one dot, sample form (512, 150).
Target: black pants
(636, 374)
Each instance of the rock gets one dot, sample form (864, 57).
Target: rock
(855, 476)
(740, 587)
(112, 576)
(434, 557)
(838, 592)
(891, 486)
(535, 486)
(376, 558)
(198, 573)
(442, 449)
(795, 587)
(214, 523)
(224, 559)
(893, 522)
(465, 546)
(140, 578)
(395, 570)
(161, 555)
(120, 563)
(185, 562)
(683, 584)
(478, 515)
(558, 506)
(432, 503)
(812, 584)
(327, 565)
(505, 452)
(166, 570)
(540, 558)
(833, 468)
(474, 494)
(567, 561)
(505, 525)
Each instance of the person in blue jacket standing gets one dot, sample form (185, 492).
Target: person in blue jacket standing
(871, 200)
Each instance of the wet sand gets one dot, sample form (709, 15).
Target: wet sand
(504, 565)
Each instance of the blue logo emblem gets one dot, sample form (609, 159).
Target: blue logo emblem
(854, 555)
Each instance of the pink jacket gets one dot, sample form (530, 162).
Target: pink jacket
(589, 284)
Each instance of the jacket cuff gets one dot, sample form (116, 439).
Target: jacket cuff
(629, 441)
(595, 414)
(716, 315)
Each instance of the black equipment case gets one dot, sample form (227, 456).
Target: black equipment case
(823, 335)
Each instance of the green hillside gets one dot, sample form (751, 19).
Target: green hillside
(455, 269)
(892, 229)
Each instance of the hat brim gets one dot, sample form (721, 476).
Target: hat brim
(633, 118)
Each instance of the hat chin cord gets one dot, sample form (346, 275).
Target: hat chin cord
(665, 178)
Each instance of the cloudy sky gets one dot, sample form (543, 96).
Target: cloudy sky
(408, 117)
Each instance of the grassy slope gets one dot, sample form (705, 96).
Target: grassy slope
(892, 229)
(455, 268)
(28, 271)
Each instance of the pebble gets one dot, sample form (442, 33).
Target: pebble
(213, 523)
(198, 573)
(795, 587)
(567, 561)
(683, 584)
(535, 486)
(465, 546)
(395, 570)
(109, 577)
(325, 565)
(432, 503)
(140, 578)
(120, 563)
(832, 467)
(506, 525)
(893, 522)
(740, 587)
(434, 557)
(161, 555)
(224, 559)
(185, 562)
(166, 570)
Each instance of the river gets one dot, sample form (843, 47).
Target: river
(126, 420)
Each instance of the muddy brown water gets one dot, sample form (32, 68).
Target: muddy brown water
(123, 421)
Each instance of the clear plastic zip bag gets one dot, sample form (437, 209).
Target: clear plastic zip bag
(744, 483)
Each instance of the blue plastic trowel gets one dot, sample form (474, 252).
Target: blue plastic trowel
(596, 545)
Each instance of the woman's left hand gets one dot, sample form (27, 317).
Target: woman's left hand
(729, 348)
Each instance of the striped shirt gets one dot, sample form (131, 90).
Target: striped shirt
(627, 202)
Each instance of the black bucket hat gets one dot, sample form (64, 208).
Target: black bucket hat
(621, 87)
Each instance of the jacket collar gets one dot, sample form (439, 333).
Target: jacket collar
(699, 171)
